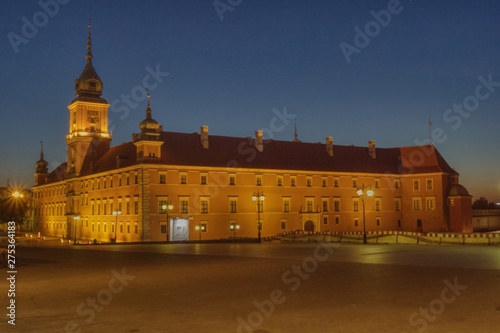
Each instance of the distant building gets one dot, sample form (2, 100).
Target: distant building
(163, 184)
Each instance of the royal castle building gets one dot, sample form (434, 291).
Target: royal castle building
(164, 185)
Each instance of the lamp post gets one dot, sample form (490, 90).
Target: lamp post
(166, 207)
(200, 227)
(234, 227)
(116, 212)
(76, 218)
(259, 197)
(362, 192)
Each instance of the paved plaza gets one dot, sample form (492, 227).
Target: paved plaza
(261, 288)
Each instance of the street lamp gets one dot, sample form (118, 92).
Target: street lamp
(259, 197)
(116, 212)
(75, 219)
(234, 227)
(362, 192)
(166, 207)
(17, 195)
(200, 227)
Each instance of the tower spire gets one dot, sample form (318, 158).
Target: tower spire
(295, 136)
(41, 151)
(89, 55)
(149, 111)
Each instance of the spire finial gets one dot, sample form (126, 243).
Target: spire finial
(41, 150)
(88, 56)
(295, 136)
(148, 109)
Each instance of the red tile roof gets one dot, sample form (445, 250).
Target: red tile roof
(182, 149)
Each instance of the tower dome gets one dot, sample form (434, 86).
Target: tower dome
(41, 164)
(150, 128)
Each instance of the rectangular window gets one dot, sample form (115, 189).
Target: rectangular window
(163, 228)
(325, 219)
(377, 183)
(429, 184)
(336, 205)
(323, 182)
(203, 180)
(136, 178)
(355, 205)
(309, 181)
(336, 182)
(416, 184)
(136, 204)
(258, 180)
(128, 228)
(286, 205)
(136, 228)
(378, 221)
(337, 219)
(184, 207)
(309, 205)
(279, 181)
(127, 206)
(204, 206)
(400, 223)
(397, 205)
(163, 178)
(356, 222)
(293, 181)
(232, 180)
(355, 183)
(162, 206)
(325, 205)
(233, 208)
(417, 204)
(396, 183)
(183, 178)
(283, 224)
(378, 205)
(430, 203)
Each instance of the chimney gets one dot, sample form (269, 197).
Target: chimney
(329, 145)
(204, 136)
(258, 141)
(371, 149)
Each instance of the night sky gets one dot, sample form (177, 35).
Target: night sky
(354, 70)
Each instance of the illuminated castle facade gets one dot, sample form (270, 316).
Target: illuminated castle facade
(164, 185)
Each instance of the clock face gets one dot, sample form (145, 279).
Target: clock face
(93, 116)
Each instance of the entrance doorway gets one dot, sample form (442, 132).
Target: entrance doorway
(309, 226)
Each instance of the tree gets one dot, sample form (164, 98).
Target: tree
(483, 203)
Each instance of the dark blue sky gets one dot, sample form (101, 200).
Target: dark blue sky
(230, 74)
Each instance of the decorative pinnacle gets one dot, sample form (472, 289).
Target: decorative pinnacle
(89, 56)
(148, 109)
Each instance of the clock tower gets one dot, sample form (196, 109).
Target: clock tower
(88, 137)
